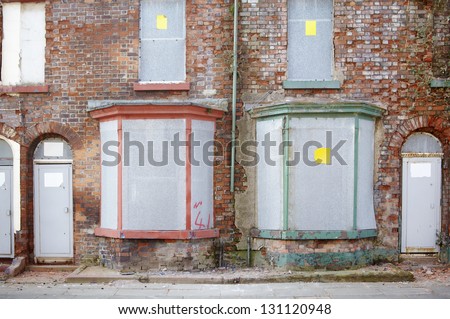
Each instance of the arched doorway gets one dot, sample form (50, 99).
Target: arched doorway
(53, 204)
(421, 193)
(6, 200)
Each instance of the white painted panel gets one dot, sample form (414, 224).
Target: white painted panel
(420, 170)
(108, 133)
(420, 204)
(53, 148)
(11, 44)
(32, 43)
(270, 177)
(321, 197)
(365, 208)
(154, 195)
(202, 176)
(53, 179)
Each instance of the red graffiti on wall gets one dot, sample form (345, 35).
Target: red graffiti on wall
(199, 219)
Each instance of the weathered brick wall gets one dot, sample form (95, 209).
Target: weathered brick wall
(143, 255)
(385, 53)
(92, 53)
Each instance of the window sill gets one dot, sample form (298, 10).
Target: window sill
(313, 234)
(24, 88)
(305, 85)
(157, 234)
(183, 86)
(440, 83)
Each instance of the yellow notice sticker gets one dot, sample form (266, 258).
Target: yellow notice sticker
(161, 22)
(322, 156)
(310, 27)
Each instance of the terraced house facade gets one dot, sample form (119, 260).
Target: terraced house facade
(194, 134)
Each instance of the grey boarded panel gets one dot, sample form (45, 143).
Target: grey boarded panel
(321, 197)
(422, 143)
(310, 9)
(270, 177)
(108, 134)
(202, 176)
(154, 195)
(174, 13)
(309, 57)
(162, 60)
(365, 209)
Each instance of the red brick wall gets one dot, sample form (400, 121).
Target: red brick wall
(92, 53)
(382, 53)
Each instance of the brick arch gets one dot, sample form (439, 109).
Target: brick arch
(431, 124)
(10, 133)
(39, 131)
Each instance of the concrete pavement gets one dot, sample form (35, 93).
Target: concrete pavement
(132, 289)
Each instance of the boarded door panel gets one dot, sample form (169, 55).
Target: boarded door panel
(54, 210)
(421, 204)
(5, 211)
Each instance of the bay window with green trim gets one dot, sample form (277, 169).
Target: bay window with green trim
(318, 182)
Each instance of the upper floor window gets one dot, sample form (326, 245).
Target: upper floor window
(162, 41)
(23, 43)
(310, 41)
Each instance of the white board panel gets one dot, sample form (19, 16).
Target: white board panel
(11, 44)
(108, 133)
(365, 205)
(321, 196)
(32, 43)
(270, 176)
(154, 184)
(202, 216)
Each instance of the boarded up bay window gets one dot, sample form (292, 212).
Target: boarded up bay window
(310, 40)
(157, 171)
(163, 41)
(23, 43)
(319, 183)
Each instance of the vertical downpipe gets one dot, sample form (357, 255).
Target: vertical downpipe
(233, 99)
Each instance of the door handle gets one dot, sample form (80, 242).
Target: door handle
(66, 210)
(432, 206)
(8, 212)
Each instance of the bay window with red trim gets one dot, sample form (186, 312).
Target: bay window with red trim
(157, 171)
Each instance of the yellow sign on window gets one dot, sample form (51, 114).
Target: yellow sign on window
(310, 27)
(322, 156)
(161, 22)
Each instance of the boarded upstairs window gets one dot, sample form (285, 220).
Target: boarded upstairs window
(163, 41)
(310, 39)
(23, 43)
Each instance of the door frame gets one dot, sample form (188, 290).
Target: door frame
(36, 213)
(11, 217)
(406, 158)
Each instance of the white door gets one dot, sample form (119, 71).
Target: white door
(6, 233)
(53, 210)
(421, 197)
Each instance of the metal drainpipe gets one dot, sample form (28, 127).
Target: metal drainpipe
(233, 99)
